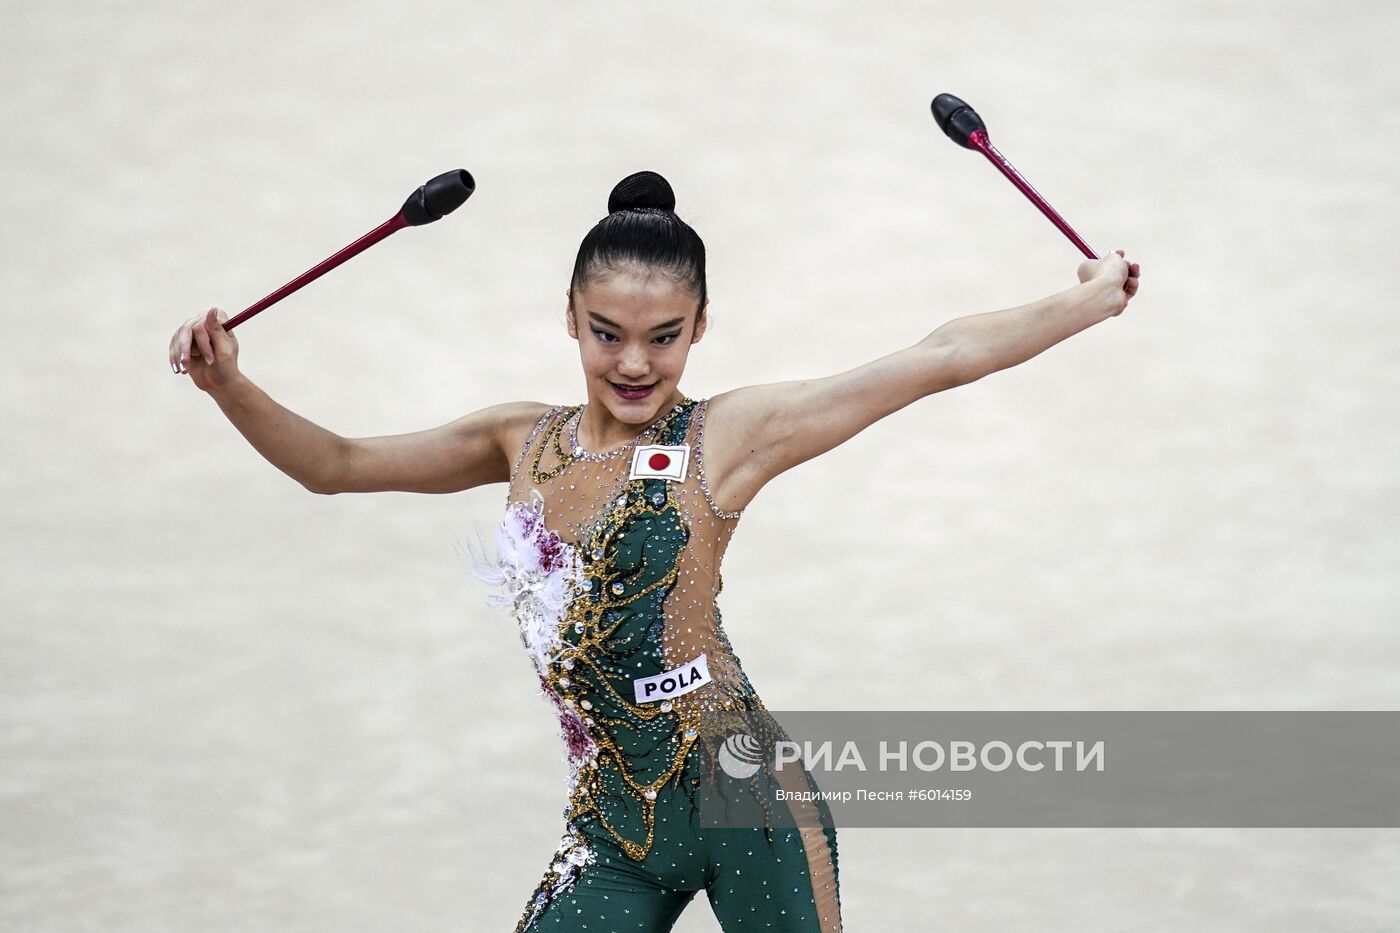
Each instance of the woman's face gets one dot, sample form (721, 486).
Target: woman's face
(634, 328)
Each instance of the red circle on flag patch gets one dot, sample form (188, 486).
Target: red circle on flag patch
(659, 461)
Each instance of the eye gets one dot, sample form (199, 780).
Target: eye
(604, 336)
(669, 338)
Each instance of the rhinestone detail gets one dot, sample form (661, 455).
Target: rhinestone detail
(592, 501)
(581, 454)
(700, 462)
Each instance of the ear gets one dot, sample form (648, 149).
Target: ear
(569, 314)
(703, 323)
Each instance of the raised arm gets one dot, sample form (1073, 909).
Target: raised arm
(755, 433)
(471, 451)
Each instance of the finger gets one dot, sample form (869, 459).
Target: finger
(206, 331)
(222, 339)
(174, 351)
(200, 339)
(1119, 252)
(1133, 270)
(184, 357)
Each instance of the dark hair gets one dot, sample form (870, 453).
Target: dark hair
(642, 227)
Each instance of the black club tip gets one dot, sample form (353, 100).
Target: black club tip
(439, 197)
(955, 118)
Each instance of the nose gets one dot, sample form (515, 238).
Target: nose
(633, 364)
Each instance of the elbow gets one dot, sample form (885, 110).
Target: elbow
(950, 364)
(330, 478)
(324, 482)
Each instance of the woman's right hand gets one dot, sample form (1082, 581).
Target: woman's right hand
(203, 349)
(1116, 271)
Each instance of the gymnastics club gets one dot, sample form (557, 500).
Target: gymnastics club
(964, 127)
(432, 201)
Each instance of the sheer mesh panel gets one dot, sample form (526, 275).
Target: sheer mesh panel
(575, 494)
(574, 499)
(820, 845)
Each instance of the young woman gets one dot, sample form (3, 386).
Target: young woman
(619, 511)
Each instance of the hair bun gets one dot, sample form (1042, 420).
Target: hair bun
(642, 190)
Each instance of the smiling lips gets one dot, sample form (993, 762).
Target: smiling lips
(631, 392)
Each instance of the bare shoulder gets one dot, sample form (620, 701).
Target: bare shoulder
(484, 445)
(758, 432)
(515, 421)
(733, 450)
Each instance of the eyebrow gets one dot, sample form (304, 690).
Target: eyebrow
(662, 326)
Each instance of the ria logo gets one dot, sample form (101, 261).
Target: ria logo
(741, 756)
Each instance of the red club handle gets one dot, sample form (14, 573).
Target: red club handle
(978, 140)
(397, 222)
(432, 201)
(962, 125)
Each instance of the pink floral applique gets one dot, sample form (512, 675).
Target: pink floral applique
(540, 574)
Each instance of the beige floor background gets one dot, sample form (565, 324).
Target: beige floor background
(227, 704)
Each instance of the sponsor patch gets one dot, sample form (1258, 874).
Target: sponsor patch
(691, 675)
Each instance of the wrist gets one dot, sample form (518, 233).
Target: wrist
(1103, 297)
(229, 391)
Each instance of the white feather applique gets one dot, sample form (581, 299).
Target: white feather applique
(540, 574)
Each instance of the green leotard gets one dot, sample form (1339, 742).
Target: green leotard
(610, 563)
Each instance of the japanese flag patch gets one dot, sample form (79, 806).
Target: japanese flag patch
(657, 461)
